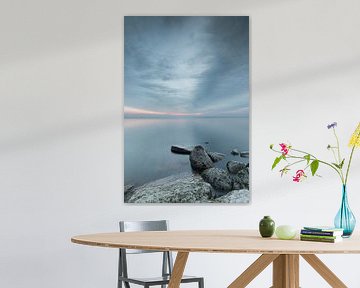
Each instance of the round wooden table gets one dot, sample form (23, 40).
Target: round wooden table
(284, 254)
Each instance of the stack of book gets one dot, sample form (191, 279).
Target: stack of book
(321, 234)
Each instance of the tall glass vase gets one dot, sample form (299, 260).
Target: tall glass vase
(345, 219)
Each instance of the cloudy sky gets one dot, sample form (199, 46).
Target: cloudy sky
(186, 66)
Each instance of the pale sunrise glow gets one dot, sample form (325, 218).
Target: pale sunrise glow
(138, 111)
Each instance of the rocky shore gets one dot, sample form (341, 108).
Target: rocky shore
(206, 184)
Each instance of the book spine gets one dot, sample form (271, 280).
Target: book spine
(319, 236)
(320, 233)
(318, 239)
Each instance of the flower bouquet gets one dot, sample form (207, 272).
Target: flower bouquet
(292, 157)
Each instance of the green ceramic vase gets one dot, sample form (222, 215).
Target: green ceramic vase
(266, 227)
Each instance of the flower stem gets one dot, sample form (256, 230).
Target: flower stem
(304, 152)
(350, 159)
(338, 146)
(348, 167)
(313, 158)
(296, 162)
(338, 171)
(339, 156)
(333, 152)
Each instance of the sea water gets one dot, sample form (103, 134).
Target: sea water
(148, 142)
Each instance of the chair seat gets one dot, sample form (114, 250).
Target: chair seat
(167, 262)
(158, 280)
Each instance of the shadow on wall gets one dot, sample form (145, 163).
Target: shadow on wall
(311, 74)
(65, 130)
(41, 26)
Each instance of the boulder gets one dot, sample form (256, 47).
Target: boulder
(181, 149)
(200, 160)
(218, 178)
(235, 152)
(234, 166)
(182, 188)
(240, 179)
(215, 156)
(128, 192)
(235, 196)
(244, 154)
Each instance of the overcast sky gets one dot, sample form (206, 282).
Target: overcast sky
(187, 66)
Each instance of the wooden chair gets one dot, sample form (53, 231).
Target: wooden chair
(167, 262)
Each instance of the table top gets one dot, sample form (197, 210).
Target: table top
(217, 241)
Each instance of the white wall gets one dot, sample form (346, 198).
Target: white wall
(61, 138)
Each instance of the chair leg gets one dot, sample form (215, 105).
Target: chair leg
(201, 283)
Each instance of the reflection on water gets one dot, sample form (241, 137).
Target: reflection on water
(148, 142)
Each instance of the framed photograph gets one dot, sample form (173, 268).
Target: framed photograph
(186, 109)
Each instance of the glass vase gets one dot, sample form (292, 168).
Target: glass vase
(345, 219)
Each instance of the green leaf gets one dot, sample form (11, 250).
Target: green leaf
(276, 161)
(271, 146)
(314, 166)
(339, 166)
(336, 165)
(342, 163)
(284, 170)
(307, 157)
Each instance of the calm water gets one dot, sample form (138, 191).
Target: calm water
(148, 141)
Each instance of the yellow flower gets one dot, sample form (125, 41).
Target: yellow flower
(355, 137)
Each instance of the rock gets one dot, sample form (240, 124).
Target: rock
(182, 188)
(244, 154)
(235, 152)
(235, 196)
(218, 178)
(238, 186)
(128, 188)
(240, 179)
(200, 160)
(215, 156)
(128, 191)
(181, 149)
(234, 166)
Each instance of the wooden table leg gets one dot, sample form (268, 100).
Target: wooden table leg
(178, 269)
(286, 271)
(253, 270)
(324, 271)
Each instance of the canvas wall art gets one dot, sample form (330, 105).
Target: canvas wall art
(186, 109)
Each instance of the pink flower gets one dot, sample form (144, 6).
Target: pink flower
(284, 148)
(300, 174)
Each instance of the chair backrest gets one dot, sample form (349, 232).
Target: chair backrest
(137, 226)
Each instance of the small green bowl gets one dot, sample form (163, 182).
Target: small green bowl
(285, 232)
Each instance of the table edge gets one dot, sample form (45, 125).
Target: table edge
(206, 250)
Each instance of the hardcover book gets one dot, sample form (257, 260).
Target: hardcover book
(320, 237)
(325, 240)
(321, 233)
(323, 228)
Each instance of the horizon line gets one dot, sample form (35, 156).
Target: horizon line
(180, 117)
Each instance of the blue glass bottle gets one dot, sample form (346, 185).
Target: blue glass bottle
(345, 219)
